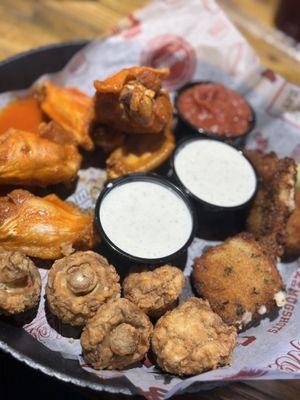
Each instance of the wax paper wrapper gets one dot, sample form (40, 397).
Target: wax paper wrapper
(197, 41)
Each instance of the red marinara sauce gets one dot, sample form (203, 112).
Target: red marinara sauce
(215, 109)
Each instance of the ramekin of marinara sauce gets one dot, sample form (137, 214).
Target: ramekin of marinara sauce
(212, 110)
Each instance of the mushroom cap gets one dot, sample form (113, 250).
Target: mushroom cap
(20, 283)
(79, 284)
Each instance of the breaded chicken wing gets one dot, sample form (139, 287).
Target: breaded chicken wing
(27, 159)
(69, 108)
(117, 336)
(192, 339)
(79, 284)
(239, 280)
(132, 101)
(274, 201)
(155, 292)
(140, 153)
(43, 227)
(20, 283)
(293, 230)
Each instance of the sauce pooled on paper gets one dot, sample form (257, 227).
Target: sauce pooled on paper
(23, 114)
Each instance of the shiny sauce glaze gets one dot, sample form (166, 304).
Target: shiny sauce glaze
(215, 109)
(24, 114)
(215, 172)
(145, 219)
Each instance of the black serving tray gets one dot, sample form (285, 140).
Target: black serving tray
(19, 72)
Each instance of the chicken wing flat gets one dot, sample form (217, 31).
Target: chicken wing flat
(27, 159)
(275, 200)
(46, 228)
(132, 101)
(140, 153)
(71, 109)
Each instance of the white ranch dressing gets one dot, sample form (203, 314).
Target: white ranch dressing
(145, 219)
(215, 172)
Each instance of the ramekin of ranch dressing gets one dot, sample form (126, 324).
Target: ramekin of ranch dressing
(214, 173)
(145, 218)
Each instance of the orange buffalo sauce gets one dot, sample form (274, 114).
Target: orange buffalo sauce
(24, 114)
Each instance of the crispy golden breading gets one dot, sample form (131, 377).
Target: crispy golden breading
(69, 108)
(43, 227)
(274, 201)
(192, 339)
(140, 153)
(117, 336)
(27, 159)
(79, 284)
(293, 230)
(132, 101)
(20, 283)
(154, 292)
(239, 280)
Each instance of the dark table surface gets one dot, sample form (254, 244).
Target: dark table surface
(16, 378)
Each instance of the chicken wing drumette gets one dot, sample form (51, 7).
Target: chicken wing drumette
(20, 283)
(133, 101)
(275, 199)
(192, 339)
(117, 336)
(79, 284)
(293, 230)
(44, 227)
(154, 292)
(240, 281)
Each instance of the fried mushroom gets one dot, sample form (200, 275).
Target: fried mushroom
(240, 280)
(79, 284)
(192, 339)
(117, 336)
(154, 292)
(20, 283)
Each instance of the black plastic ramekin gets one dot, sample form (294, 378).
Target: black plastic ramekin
(142, 177)
(196, 199)
(186, 128)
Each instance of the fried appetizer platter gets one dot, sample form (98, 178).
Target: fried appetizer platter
(192, 339)
(27, 159)
(69, 108)
(239, 280)
(43, 227)
(274, 201)
(133, 101)
(140, 153)
(79, 284)
(154, 292)
(293, 230)
(20, 283)
(117, 336)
